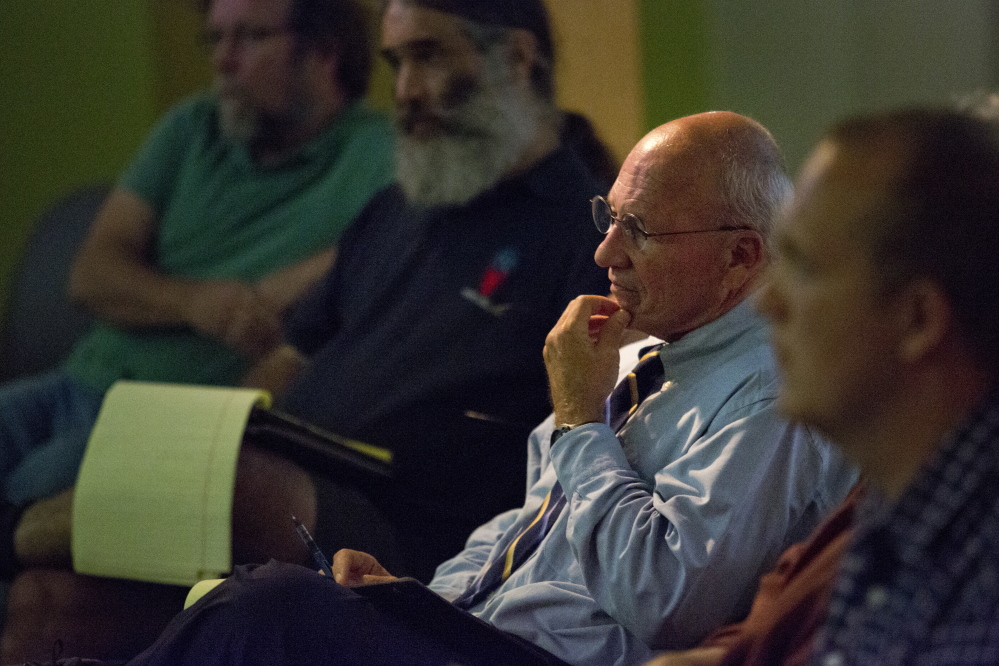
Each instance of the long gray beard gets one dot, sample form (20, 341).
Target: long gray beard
(500, 123)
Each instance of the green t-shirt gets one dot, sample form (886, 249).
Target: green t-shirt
(223, 217)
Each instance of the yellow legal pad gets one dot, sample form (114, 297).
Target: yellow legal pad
(153, 500)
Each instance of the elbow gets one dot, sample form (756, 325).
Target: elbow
(80, 284)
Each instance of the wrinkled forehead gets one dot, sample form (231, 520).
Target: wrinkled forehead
(669, 176)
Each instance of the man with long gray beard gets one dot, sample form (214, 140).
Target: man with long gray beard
(425, 336)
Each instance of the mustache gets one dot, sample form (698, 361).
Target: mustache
(412, 115)
(449, 116)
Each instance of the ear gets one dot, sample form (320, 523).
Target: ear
(927, 319)
(745, 257)
(522, 51)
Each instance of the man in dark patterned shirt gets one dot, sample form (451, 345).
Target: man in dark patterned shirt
(885, 303)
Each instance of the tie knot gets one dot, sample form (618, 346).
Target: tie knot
(641, 382)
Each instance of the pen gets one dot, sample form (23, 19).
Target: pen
(313, 547)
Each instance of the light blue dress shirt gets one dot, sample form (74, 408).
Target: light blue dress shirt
(672, 521)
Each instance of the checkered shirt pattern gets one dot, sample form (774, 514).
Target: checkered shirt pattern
(920, 583)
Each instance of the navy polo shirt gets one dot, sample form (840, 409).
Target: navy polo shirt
(427, 335)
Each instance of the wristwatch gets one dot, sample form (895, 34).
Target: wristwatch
(562, 428)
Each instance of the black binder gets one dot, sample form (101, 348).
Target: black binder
(312, 447)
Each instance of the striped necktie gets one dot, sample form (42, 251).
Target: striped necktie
(621, 404)
(645, 378)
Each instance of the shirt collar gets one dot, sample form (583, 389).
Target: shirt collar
(714, 335)
(319, 145)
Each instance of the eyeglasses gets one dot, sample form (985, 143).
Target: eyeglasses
(242, 36)
(633, 228)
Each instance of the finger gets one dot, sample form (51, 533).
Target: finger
(605, 306)
(596, 323)
(371, 579)
(612, 329)
(344, 565)
(582, 308)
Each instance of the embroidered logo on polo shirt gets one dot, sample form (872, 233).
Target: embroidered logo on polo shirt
(492, 278)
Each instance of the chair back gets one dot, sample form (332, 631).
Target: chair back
(40, 325)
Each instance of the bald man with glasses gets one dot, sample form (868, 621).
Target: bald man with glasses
(652, 507)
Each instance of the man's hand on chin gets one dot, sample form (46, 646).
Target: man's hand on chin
(581, 355)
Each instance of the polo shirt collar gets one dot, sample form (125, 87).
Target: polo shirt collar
(321, 144)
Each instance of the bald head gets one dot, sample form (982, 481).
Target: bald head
(693, 206)
(731, 156)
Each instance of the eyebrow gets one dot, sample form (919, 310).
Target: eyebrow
(418, 47)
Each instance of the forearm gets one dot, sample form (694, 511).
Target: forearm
(284, 287)
(675, 550)
(114, 275)
(667, 556)
(617, 534)
(132, 295)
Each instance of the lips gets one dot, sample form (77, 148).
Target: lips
(628, 299)
(617, 288)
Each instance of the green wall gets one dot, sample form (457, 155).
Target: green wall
(674, 54)
(84, 80)
(82, 84)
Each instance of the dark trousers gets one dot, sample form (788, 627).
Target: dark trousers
(281, 614)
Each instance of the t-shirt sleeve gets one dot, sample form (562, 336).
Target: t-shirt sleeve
(154, 168)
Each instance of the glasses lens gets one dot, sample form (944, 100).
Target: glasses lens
(601, 214)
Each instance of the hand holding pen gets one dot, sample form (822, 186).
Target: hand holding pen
(352, 567)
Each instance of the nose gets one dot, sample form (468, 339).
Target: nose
(410, 84)
(225, 55)
(611, 253)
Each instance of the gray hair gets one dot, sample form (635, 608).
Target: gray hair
(487, 38)
(755, 184)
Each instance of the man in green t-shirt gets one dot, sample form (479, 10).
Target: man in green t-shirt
(229, 211)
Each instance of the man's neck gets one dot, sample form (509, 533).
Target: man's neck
(282, 146)
(545, 142)
(892, 448)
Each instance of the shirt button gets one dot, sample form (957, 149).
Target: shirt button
(876, 597)
(833, 659)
